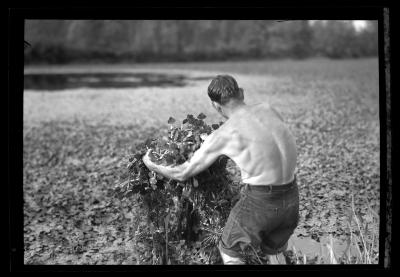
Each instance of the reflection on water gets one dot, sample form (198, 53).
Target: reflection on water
(57, 82)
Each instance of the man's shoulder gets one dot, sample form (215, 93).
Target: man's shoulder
(234, 130)
(226, 133)
(229, 126)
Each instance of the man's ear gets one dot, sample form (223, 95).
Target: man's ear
(216, 106)
(241, 94)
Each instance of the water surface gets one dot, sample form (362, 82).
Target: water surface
(59, 82)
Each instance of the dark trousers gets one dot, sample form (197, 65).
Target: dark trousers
(264, 216)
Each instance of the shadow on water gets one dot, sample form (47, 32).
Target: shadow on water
(59, 82)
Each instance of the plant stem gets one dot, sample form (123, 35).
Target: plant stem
(359, 229)
(256, 254)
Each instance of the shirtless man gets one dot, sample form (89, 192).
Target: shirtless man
(260, 144)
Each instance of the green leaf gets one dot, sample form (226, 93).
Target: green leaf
(176, 136)
(171, 120)
(169, 159)
(201, 116)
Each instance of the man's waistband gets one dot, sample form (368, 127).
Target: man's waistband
(267, 188)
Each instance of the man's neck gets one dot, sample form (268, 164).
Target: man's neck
(232, 107)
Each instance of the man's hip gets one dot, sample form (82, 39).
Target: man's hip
(263, 216)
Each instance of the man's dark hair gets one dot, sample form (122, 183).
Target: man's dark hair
(223, 88)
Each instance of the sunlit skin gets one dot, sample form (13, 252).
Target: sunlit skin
(254, 137)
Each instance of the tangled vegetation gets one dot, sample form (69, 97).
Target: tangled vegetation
(184, 212)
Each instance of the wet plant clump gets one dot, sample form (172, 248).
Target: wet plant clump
(190, 211)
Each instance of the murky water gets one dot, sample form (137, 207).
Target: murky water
(59, 82)
(310, 248)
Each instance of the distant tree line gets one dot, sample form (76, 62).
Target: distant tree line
(63, 41)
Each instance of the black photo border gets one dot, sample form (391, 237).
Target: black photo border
(275, 10)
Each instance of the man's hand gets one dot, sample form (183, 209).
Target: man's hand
(171, 172)
(147, 161)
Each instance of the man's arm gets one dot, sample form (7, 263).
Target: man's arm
(212, 147)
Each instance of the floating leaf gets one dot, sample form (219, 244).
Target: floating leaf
(201, 116)
(171, 120)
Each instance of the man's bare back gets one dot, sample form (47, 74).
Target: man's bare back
(261, 145)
